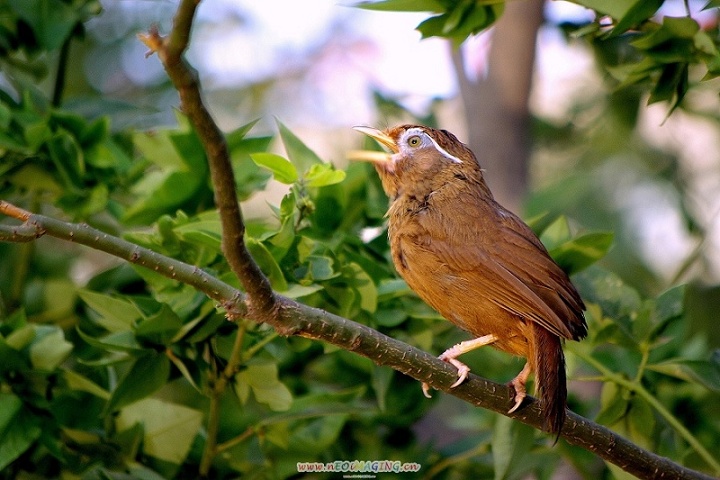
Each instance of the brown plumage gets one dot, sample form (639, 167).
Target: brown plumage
(475, 262)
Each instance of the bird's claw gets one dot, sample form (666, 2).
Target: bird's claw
(518, 401)
(518, 386)
(462, 373)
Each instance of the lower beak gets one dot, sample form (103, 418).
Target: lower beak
(374, 156)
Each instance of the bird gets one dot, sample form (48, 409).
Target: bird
(475, 262)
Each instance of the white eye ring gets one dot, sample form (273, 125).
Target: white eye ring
(418, 133)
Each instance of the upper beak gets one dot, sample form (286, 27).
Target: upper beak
(380, 137)
(374, 156)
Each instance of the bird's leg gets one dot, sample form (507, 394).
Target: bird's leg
(518, 383)
(450, 355)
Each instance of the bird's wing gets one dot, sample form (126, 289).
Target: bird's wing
(509, 266)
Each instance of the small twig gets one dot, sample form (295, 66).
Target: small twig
(235, 440)
(219, 382)
(59, 87)
(170, 50)
(213, 421)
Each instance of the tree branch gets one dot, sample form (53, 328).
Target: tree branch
(170, 49)
(36, 226)
(293, 318)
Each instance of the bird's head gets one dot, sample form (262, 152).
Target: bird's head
(420, 158)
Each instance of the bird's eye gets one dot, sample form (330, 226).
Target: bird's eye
(414, 141)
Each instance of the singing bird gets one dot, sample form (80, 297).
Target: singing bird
(475, 262)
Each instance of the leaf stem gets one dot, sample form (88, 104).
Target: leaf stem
(643, 363)
(219, 383)
(636, 387)
(235, 440)
(250, 352)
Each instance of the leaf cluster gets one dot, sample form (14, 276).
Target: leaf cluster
(636, 43)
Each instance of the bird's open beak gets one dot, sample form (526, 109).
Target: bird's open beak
(374, 156)
(379, 136)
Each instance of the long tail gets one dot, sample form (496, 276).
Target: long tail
(550, 379)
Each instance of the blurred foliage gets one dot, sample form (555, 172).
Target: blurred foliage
(114, 375)
(658, 54)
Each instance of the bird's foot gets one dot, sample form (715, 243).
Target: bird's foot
(462, 373)
(518, 384)
(450, 355)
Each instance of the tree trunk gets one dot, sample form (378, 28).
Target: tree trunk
(496, 106)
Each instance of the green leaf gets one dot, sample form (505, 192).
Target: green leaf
(615, 8)
(299, 154)
(433, 26)
(49, 349)
(298, 291)
(267, 264)
(119, 341)
(237, 136)
(169, 429)
(511, 441)
(393, 288)
(21, 337)
(19, 429)
(262, 378)
(391, 318)
(116, 314)
(322, 175)
(557, 233)
(160, 328)
(455, 16)
(249, 178)
(702, 372)
(162, 192)
(364, 285)
(616, 299)
(641, 418)
(148, 374)
(317, 435)
(637, 13)
(182, 174)
(669, 306)
(672, 84)
(52, 21)
(75, 381)
(10, 406)
(68, 158)
(281, 168)
(613, 404)
(12, 359)
(381, 381)
(403, 6)
(204, 230)
(672, 28)
(320, 268)
(581, 252)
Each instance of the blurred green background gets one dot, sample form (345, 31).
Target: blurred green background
(90, 133)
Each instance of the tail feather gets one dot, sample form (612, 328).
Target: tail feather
(550, 378)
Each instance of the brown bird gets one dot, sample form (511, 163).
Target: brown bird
(475, 262)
